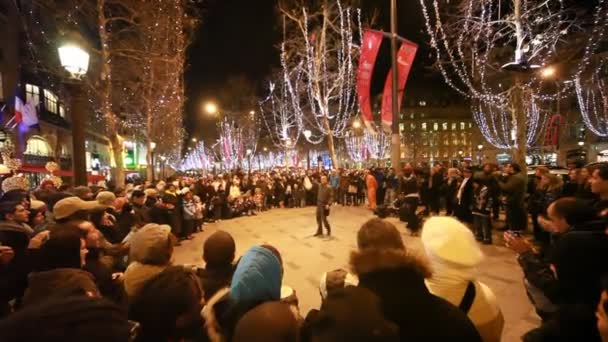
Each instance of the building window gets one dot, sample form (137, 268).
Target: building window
(62, 111)
(413, 126)
(453, 126)
(435, 126)
(401, 127)
(32, 93)
(445, 154)
(50, 101)
(464, 138)
(454, 139)
(38, 146)
(470, 124)
(64, 151)
(462, 126)
(423, 126)
(444, 126)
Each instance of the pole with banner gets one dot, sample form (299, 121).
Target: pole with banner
(393, 95)
(369, 52)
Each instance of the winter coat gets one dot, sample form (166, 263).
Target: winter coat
(137, 274)
(515, 188)
(13, 277)
(484, 311)
(64, 281)
(580, 261)
(257, 279)
(189, 209)
(398, 279)
(141, 213)
(214, 279)
(482, 202)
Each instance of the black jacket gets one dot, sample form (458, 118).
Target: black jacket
(398, 279)
(13, 277)
(213, 280)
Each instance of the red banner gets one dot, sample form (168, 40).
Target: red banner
(405, 58)
(369, 51)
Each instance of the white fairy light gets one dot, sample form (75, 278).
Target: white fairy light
(325, 56)
(593, 100)
(466, 45)
(377, 143)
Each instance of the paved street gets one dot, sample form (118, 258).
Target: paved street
(305, 257)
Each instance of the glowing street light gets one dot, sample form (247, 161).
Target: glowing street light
(194, 140)
(547, 72)
(480, 147)
(74, 59)
(152, 145)
(265, 149)
(211, 108)
(252, 113)
(356, 124)
(307, 134)
(249, 151)
(581, 143)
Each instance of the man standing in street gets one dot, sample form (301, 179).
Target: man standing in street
(324, 200)
(515, 188)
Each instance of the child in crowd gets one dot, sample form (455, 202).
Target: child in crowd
(258, 199)
(198, 214)
(482, 207)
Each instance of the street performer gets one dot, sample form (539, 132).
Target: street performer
(324, 200)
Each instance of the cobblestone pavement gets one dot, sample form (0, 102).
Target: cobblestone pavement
(306, 257)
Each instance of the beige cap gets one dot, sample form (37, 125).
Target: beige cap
(105, 198)
(69, 205)
(149, 242)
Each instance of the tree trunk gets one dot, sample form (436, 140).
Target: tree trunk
(150, 162)
(330, 143)
(119, 170)
(518, 116)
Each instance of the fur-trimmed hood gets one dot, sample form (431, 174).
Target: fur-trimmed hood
(375, 259)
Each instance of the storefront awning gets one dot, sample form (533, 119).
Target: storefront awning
(62, 173)
(41, 169)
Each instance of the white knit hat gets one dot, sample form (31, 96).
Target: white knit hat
(447, 239)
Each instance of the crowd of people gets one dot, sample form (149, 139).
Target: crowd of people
(96, 263)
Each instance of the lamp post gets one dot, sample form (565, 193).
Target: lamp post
(162, 162)
(307, 135)
(152, 147)
(249, 159)
(480, 148)
(75, 61)
(395, 137)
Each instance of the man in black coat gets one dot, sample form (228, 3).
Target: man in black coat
(325, 198)
(16, 234)
(385, 267)
(465, 197)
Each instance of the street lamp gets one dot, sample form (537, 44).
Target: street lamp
(194, 140)
(547, 72)
(356, 124)
(163, 158)
(307, 134)
(75, 61)
(479, 148)
(249, 159)
(211, 108)
(581, 143)
(152, 148)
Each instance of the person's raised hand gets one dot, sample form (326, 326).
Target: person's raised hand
(516, 243)
(6, 255)
(39, 239)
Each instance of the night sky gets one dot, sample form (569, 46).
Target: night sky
(239, 38)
